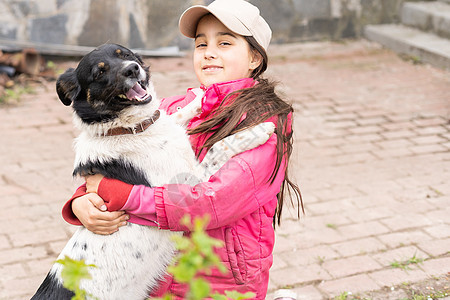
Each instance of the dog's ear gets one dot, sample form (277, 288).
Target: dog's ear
(67, 87)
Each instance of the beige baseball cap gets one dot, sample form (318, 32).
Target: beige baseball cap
(239, 16)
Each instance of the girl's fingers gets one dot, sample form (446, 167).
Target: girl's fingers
(105, 227)
(108, 218)
(87, 209)
(97, 201)
(92, 182)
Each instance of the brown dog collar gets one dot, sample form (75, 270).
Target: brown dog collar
(141, 127)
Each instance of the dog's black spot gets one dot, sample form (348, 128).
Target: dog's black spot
(117, 169)
(128, 245)
(137, 255)
(163, 145)
(84, 247)
(103, 248)
(75, 245)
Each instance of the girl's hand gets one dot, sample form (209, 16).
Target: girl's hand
(90, 209)
(92, 182)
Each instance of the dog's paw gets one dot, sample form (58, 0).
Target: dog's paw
(255, 136)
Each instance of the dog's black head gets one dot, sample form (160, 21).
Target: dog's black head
(107, 80)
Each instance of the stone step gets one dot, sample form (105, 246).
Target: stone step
(429, 16)
(445, 1)
(426, 47)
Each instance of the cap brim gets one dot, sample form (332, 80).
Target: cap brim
(190, 18)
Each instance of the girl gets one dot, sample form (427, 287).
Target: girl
(246, 195)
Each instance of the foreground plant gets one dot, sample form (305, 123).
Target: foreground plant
(196, 254)
(72, 273)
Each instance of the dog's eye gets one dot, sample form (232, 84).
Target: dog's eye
(100, 70)
(99, 73)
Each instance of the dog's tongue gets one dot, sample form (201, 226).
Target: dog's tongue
(136, 92)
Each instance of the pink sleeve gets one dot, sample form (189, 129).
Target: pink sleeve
(141, 205)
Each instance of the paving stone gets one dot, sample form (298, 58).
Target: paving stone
(310, 256)
(20, 288)
(358, 247)
(354, 284)
(432, 139)
(308, 293)
(398, 134)
(436, 266)
(42, 236)
(396, 239)
(11, 271)
(365, 129)
(392, 277)
(363, 230)
(14, 255)
(439, 231)
(4, 242)
(436, 247)
(394, 144)
(349, 266)
(429, 130)
(402, 222)
(299, 275)
(428, 149)
(402, 254)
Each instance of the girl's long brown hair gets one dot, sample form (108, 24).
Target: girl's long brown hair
(253, 106)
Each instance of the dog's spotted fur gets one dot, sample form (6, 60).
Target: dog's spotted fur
(104, 94)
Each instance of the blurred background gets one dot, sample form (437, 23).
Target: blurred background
(153, 23)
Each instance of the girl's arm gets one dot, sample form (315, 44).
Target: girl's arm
(239, 188)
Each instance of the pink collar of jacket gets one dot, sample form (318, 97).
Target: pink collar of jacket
(214, 95)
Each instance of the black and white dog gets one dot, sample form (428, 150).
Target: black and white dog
(125, 136)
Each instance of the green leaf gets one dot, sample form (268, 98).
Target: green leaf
(238, 296)
(199, 289)
(72, 273)
(219, 297)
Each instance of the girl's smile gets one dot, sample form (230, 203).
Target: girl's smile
(221, 55)
(211, 68)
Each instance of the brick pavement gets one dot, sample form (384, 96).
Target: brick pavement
(372, 159)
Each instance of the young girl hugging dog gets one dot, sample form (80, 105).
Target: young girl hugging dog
(244, 199)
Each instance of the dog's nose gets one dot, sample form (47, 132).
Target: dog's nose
(132, 70)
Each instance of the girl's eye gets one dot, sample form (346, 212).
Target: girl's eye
(225, 43)
(200, 45)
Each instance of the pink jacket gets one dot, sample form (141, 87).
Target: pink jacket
(239, 199)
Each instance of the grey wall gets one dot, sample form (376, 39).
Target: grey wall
(153, 23)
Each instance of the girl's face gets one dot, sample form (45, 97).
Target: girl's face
(220, 54)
